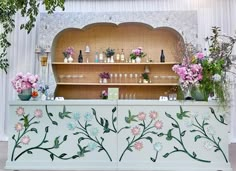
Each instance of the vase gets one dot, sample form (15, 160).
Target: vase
(145, 81)
(104, 80)
(25, 95)
(43, 97)
(133, 60)
(70, 59)
(198, 94)
(138, 59)
(187, 92)
(65, 60)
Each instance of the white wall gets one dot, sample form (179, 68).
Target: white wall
(22, 57)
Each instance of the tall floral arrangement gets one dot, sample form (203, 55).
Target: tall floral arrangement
(24, 81)
(216, 65)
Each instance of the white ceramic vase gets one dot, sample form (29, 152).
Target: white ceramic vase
(70, 59)
(138, 59)
(65, 60)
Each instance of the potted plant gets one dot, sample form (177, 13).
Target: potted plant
(68, 54)
(145, 77)
(23, 84)
(137, 54)
(104, 94)
(104, 76)
(109, 54)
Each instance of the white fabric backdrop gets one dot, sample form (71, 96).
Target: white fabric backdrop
(22, 58)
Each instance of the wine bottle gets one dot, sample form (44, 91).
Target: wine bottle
(80, 58)
(162, 57)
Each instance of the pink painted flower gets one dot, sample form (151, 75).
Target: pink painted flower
(38, 113)
(18, 127)
(153, 115)
(138, 145)
(135, 130)
(25, 140)
(20, 111)
(142, 116)
(158, 124)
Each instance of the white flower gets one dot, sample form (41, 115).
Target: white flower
(205, 116)
(216, 77)
(211, 131)
(210, 60)
(208, 145)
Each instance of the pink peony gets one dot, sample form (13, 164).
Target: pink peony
(200, 55)
(18, 127)
(20, 111)
(38, 113)
(135, 130)
(25, 140)
(158, 124)
(138, 145)
(142, 116)
(153, 115)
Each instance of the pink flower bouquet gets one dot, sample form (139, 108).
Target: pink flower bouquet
(24, 81)
(189, 74)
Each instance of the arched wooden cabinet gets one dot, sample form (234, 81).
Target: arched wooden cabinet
(81, 81)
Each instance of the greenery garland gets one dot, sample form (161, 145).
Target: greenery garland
(28, 9)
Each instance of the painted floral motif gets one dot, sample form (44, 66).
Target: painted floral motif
(138, 145)
(18, 127)
(87, 132)
(71, 126)
(88, 117)
(142, 116)
(153, 115)
(157, 146)
(20, 111)
(142, 130)
(25, 126)
(135, 130)
(25, 140)
(38, 113)
(158, 124)
(76, 116)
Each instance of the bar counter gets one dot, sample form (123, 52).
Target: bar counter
(118, 135)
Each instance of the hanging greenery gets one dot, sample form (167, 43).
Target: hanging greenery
(28, 9)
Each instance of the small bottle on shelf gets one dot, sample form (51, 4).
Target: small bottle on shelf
(117, 56)
(101, 57)
(122, 56)
(80, 58)
(162, 57)
(96, 57)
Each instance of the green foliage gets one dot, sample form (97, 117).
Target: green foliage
(28, 9)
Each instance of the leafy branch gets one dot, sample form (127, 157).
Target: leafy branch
(56, 145)
(200, 128)
(28, 9)
(50, 115)
(105, 123)
(146, 130)
(85, 135)
(221, 119)
(179, 139)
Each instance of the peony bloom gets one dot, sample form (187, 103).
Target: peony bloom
(38, 113)
(158, 124)
(142, 116)
(135, 130)
(25, 140)
(138, 145)
(153, 115)
(200, 55)
(20, 111)
(71, 126)
(94, 132)
(92, 146)
(18, 127)
(88, 117)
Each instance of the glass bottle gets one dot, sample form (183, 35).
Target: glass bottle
(122, 56)
(80, 58)
(96, 57)
(162, 57)
(117, 56)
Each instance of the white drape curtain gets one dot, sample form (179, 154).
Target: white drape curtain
(22, 57)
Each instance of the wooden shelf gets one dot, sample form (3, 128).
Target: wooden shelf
(119, 84)
(93, 63)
